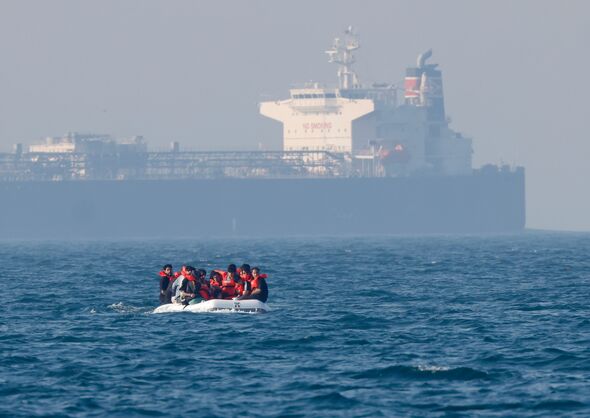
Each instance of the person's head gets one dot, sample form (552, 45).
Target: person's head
(231, 268)
(245, 270)
(215, 276)
(167, 269)
(190, 270)
(255, 272)
(202, 273)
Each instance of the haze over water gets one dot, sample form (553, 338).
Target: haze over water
(194, 72)
(388, 326)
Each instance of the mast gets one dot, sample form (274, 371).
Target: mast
(342, 54)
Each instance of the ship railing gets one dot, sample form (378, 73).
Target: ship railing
(171, 165)
(214, 164)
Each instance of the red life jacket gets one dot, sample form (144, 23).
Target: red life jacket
(190, 277)
(182, 272)
(239, 289)
(259, 285)
(228, 282)
(214, 284)
(254, 282)
(228, 285)
(204, 291)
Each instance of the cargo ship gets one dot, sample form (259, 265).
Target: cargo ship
(356, 159)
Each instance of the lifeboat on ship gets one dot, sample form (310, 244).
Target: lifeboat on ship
(216, 305)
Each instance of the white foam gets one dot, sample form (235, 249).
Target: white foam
(122, 308)
(432, 368)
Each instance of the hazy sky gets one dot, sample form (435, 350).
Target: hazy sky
(515, 75)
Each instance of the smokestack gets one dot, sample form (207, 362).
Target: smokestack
(421, 61)
(423, 87)
(412, 86)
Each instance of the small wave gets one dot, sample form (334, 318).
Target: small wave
(559, 404)
(492, 358)
(120, 307)
(355, 321)
(425, 372)
(426, 368)
(334, 399)
(294, 342)
(481, 407)
(14, 360)
(89, 309)
(560, 357)
(357, 342)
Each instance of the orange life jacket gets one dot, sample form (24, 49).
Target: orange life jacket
(182, 272)
(239, 289)
(204, 292)
(254, 282)
(228, 285)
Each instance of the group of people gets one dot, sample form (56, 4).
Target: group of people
(190, 285)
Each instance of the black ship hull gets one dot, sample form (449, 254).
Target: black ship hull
(481, 203)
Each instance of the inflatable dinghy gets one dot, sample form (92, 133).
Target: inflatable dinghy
(217, 305)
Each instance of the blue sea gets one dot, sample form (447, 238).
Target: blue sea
(360, 326)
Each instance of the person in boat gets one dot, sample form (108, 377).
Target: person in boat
(238, 288)
(185, 287)
(246, 272)
(177, 274)
(229, 280)
(215, 281)
(203, 287)
(172, 289)
(242, 279)
(256, 288)
(166, 280)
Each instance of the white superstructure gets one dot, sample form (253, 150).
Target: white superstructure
(368, 123)
(320, 119)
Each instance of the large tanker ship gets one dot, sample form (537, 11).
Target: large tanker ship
(356, 159)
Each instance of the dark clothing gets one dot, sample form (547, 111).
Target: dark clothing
(165, 283)
(164, 298)
(188, 286)
(259, 283)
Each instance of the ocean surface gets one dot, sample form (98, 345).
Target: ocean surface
(365, 326)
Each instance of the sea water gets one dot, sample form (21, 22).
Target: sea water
(360, 326)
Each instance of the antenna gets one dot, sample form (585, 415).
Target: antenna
(341, 53)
